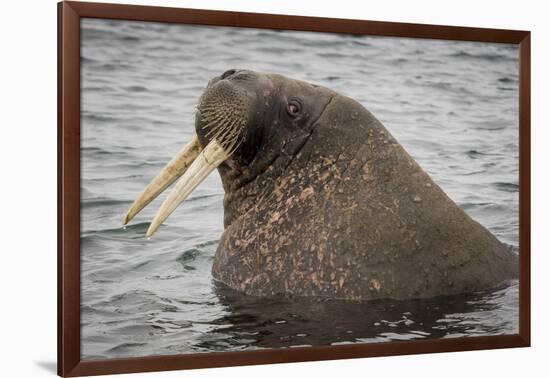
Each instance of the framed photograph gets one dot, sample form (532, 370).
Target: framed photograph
(240, 188)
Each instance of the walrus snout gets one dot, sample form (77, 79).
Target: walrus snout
(222, 114)
(224, 75)
(230, 74)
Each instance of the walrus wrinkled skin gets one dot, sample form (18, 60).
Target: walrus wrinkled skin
(330, 205)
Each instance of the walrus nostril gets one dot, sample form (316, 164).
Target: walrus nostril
(228, 73)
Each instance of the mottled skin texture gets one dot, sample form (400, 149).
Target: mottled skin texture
(328, 204)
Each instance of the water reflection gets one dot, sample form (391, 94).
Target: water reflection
(286, 322)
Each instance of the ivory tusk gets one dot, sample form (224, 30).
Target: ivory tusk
(212, 156)
(170, 173)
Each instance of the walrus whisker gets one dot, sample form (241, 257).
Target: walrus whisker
(213, 109)
(226, 130)
(235, 143)
(213, 115)
(222, 131)
(225, 118)
(216, 123)
(214, 132)
(211, 131)
(211, 123)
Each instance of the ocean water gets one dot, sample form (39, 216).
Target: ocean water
(452, 105)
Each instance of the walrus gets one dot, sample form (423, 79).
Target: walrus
(321, 200)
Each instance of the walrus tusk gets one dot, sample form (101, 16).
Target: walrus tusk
(209, 158)
(170, 173)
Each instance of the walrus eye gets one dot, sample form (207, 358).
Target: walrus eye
(293, 108)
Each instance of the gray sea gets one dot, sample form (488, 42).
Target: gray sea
(452, 105)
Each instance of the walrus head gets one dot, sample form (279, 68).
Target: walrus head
(246, 123)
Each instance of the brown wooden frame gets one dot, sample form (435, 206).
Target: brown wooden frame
(69, 14)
